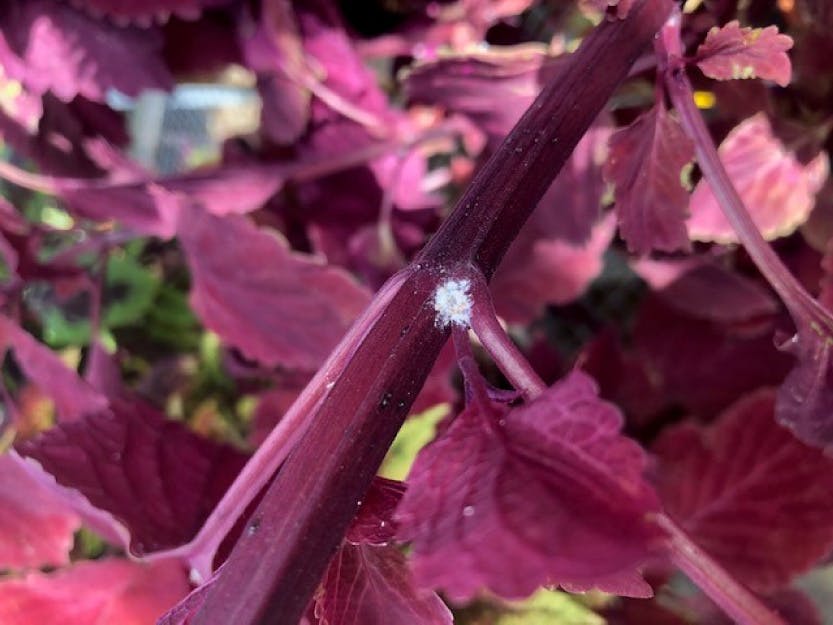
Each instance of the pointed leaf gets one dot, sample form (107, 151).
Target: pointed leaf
(749, 493)
(154, 475)
(152, 205)
(805, 398)
(369, 585)
(645, 164)
(542, 268)
(37, 526)
(732, 52)
(777, 188)
(278, 307)
(103, 591)
(73, 397)
(512, 499)
(50, 46)
(368, 582)
(374, 524)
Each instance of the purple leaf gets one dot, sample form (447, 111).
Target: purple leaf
(778, 189)
(703, 289)
(470, 84)
(571, 207)
(152, 205)
(684, 352)
(145, 11)
(560, 248)
(101, 591)
(273, 48)
(37, 526)
(50, 46)
(374, 523)
(512, 499)
(154, 475)
(277, 306)
(370, 585)
(805, 398)
(645, 162)
(732, 52)
(73, 397)
(368, 582)
(542, 268)
(749, 493)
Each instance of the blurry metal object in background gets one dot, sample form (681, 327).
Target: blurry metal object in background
(184, 129)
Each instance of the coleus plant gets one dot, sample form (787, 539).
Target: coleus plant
(308, 257)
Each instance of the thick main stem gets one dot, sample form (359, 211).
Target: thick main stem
(276, 565)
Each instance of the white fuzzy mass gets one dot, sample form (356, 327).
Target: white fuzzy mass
(452, 303)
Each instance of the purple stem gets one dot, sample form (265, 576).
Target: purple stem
(736, 600)
(497, 342)
(199, 553)
(468, 365)
(277, 563)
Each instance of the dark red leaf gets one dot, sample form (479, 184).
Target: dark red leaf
(703, 289)
(154, 475)
(72, 396)
(371, 585)
(734, 52)
(571, 207)
(645, 162)
(683, 353)
(104, 591)
(749, 493)
(278, 307)
(778, 189)
(374, 524)
(512, 499)
(37, 527)
(50, 46)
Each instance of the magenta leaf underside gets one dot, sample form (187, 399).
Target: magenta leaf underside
(749, 492)
(518, 478)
